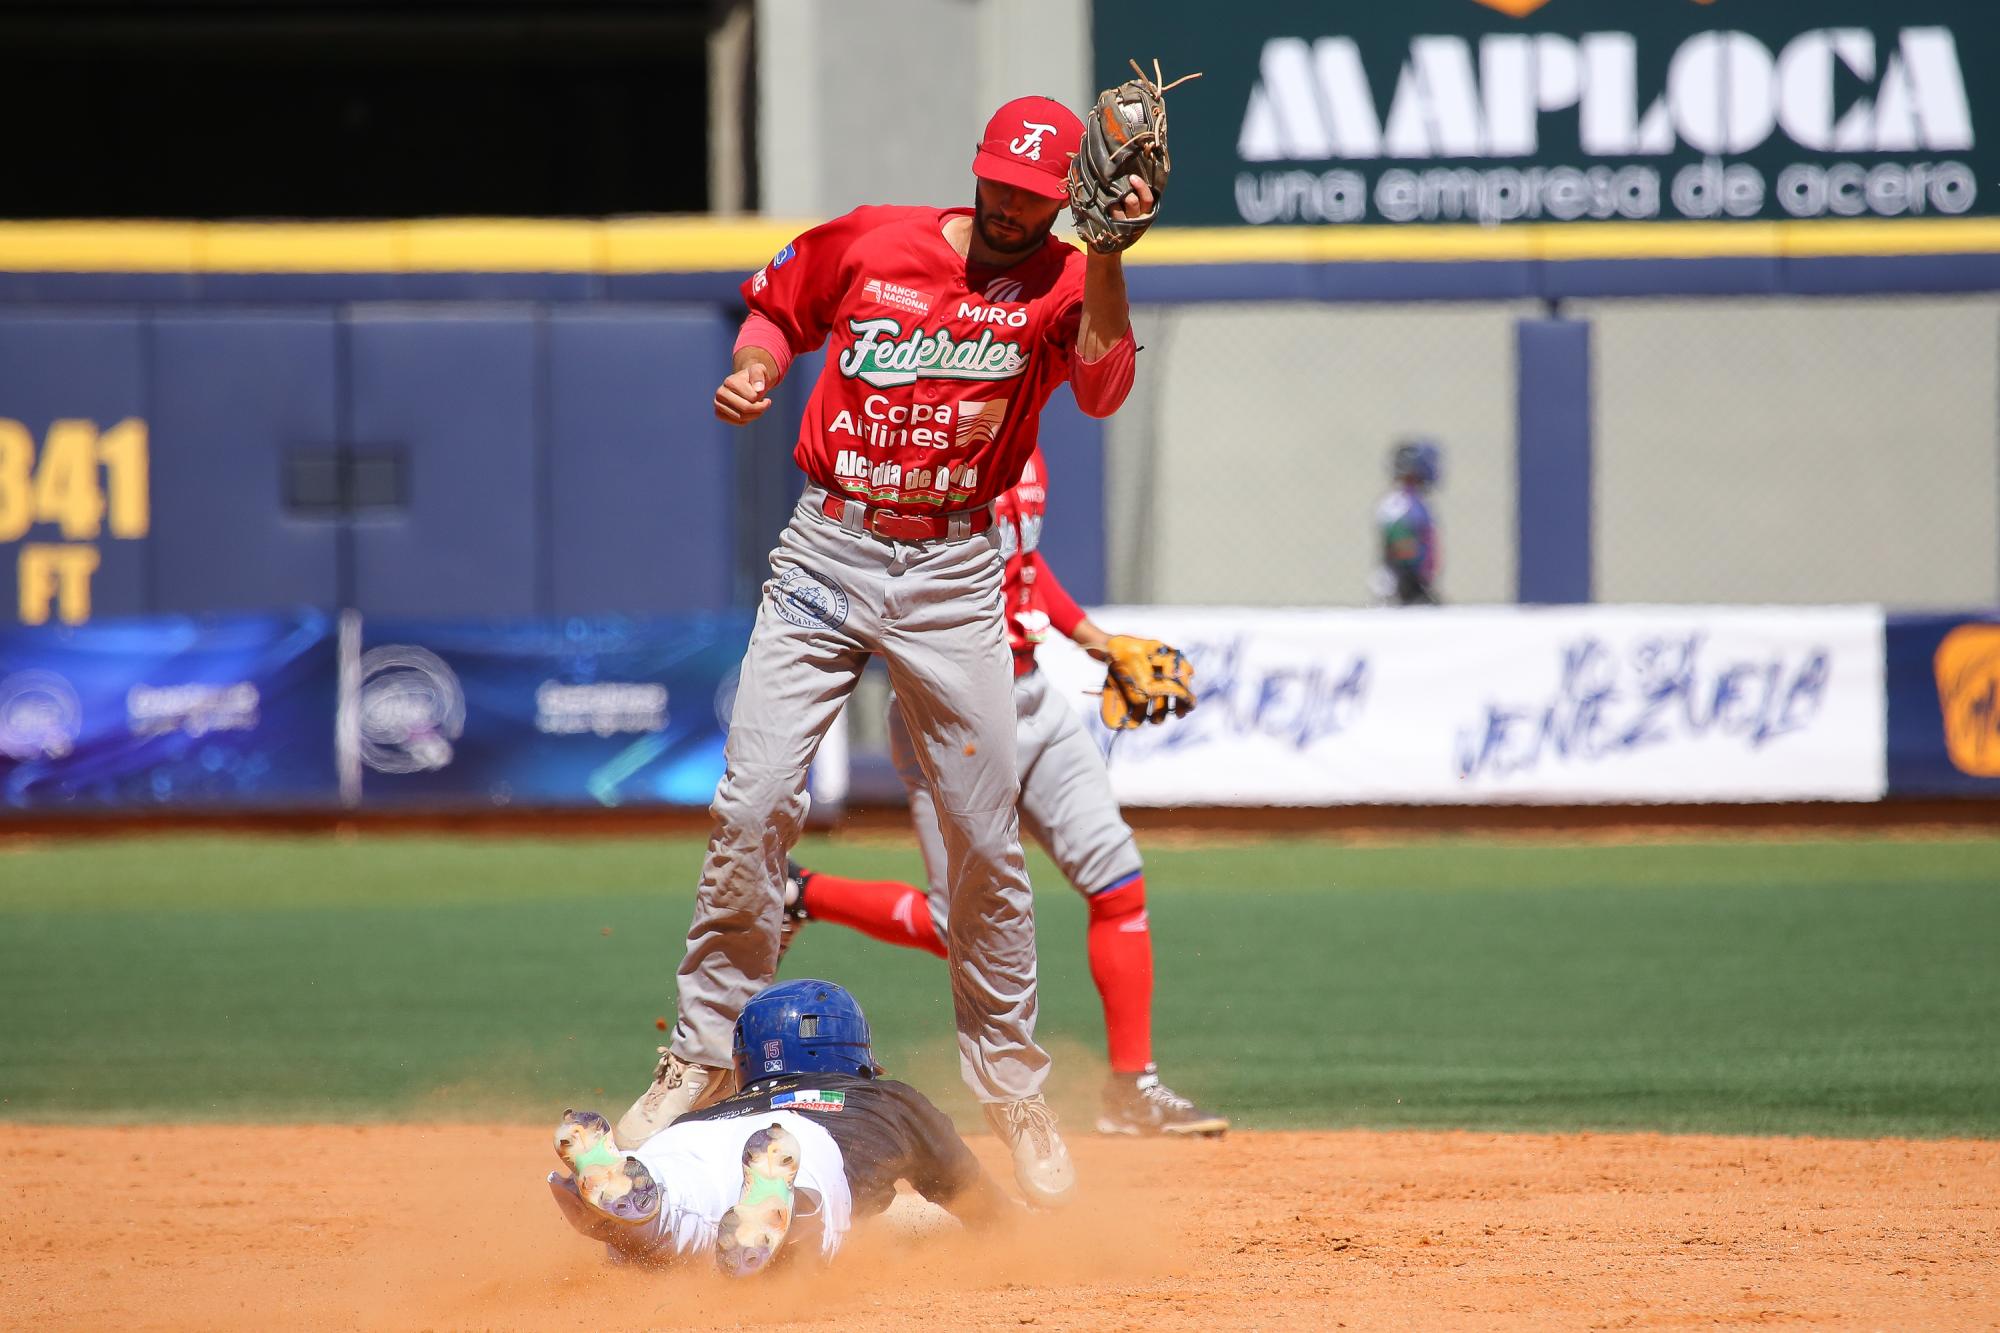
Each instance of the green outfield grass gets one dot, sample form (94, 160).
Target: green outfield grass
(1844, 987)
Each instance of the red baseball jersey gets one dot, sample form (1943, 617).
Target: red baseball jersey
(1035, 600)
(936, 368)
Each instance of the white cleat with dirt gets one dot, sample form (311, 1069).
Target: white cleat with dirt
(679, 1086)
(1041, 1160)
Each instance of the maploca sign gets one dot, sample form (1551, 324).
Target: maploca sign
(1442, 111)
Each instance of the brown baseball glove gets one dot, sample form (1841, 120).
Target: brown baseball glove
(1125, 135)
(1144, 681)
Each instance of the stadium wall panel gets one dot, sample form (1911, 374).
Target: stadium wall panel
(236, 397)
(1797, 450)
(640, 474)
(459, 399)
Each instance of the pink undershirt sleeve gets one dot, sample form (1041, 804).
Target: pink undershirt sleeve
(757, 331)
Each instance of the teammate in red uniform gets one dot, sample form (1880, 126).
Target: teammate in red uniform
(946, 332)
(1066, 803)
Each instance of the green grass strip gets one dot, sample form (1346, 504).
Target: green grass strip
(1847, 986)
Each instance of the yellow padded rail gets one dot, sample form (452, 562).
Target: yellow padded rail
(669, 244)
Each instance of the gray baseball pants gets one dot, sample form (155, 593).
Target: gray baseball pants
(932, 611)
(1066, 800)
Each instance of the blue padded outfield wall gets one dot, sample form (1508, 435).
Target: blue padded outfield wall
(441, 419)
(504, 462)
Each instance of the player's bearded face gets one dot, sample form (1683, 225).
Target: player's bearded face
(1012, 221)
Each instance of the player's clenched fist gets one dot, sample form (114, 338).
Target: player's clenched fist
(745, 395)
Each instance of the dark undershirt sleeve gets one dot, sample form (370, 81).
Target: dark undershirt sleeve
(941, 1166)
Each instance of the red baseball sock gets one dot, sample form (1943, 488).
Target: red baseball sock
(880, 909)
(1121, 963)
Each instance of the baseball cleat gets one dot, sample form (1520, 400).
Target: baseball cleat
(1041, 1160)
(1140, 1105)
(750, 1234)
(795, 916)
(622, 1243)
(679, 1086)
(607, 1181)
(587, 1220)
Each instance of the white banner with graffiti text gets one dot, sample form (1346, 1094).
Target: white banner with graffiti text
(1501, 704)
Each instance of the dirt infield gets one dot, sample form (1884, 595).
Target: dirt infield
(450, 1227)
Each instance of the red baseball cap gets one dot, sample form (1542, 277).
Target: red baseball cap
(1028, 145)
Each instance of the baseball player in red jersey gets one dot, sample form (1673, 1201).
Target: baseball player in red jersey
(1066, 803)
(946, 332)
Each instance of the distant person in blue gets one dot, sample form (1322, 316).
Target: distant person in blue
(1408, 539)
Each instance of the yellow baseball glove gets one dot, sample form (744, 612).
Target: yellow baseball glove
(1144, 681)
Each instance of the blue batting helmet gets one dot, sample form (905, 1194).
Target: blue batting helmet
(802, 1027)
(1419, 459)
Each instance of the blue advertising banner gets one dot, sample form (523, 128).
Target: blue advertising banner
(169, 711)
(602, 711)
(1943, 686)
